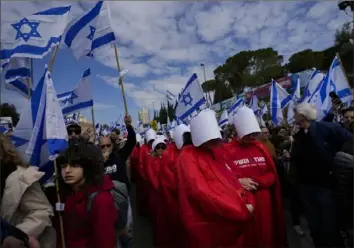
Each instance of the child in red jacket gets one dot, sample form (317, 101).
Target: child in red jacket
(81, 174)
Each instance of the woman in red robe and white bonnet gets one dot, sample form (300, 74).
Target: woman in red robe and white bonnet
(255, 168)
(213, 207)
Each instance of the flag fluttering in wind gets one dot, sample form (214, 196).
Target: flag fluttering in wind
(294, 100)
(224, 119)
(80, 98)
(254, 104)
(17, 75)
(279, 99)
(191, 98)
(311, 86)
(237, 105)
(33, 36)
(90, 31)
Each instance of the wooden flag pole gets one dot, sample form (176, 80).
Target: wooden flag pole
(93, 124)
(120, 82)
(30, 81)
(52, 59)
(58, 208)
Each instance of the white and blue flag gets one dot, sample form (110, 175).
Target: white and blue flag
(294, 100)
(191, 98)
(90, 31)
(311, 86)
(224, 119)
(17, 75)
(254, 104)
(80, 98)
(279, 99)
(35, 35)
(337, 83)
(237, 105)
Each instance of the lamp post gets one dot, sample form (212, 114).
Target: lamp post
(208, 96)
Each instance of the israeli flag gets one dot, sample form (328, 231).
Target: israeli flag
(294, 99)
(171, 98)
(17, 75)
(254, 104)
(41, 133)
(90, 31)
(224, 119)
(3, 130)
(337, 83)
(80, 98)
(237, 105)
(191, 99)
(35, 35)
(311, 86)
(279, 99)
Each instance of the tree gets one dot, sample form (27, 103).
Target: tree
(163, 114)
(304, 60)
(9, 110)
(170, 111)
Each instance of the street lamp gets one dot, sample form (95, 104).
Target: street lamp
(203, 66)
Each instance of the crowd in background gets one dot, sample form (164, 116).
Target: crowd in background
(185, 183)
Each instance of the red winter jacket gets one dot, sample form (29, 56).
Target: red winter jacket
(94, 229)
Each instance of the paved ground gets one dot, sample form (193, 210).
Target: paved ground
(142, 231)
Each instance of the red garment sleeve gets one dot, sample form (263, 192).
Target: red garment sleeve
(103, 217)
(213, 197)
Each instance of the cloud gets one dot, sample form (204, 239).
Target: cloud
(162, 43)
(103, 106)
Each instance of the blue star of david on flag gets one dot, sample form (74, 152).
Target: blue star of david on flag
(22, 29)
(187, 99)
(92, 33)
(70, 99)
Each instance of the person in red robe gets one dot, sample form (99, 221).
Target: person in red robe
(134, 159)
(141, 181)
(255, 168)
(152, 168)
(214, 209)
(169, 221)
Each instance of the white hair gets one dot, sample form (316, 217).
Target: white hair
(307, 110)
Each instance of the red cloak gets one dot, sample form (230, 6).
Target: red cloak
(212, 210)
(169, 221)
(267, 228)
(134, 163)
(141, 184)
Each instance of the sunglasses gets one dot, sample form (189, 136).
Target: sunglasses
(106, 146)
(75, 131)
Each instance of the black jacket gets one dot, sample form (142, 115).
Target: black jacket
(343, 175)
(115, 164)
(313, 153)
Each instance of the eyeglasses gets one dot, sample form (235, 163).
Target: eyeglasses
(106, 146)
(75, 131)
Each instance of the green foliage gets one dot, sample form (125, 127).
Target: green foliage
(257, 67)
(9, 110)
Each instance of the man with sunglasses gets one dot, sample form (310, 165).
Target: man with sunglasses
(74, 130)
(114, 164)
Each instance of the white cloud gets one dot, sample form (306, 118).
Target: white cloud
(163, 43)
(103, 106)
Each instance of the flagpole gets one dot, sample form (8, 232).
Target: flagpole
(52, 59)
(120, 82)
(50, 68)
(93, 123)
(30, 81)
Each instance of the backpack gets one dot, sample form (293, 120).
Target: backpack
(121, 202)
